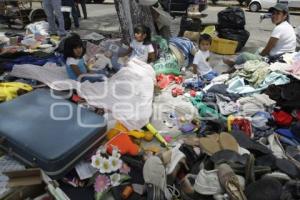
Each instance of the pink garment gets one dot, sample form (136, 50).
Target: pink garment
(296, 68)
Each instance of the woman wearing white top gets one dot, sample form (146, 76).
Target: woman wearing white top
(282, 40)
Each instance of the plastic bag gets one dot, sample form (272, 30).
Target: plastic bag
(39, 28)
(231, 17)
(167, 64)
(161, 42)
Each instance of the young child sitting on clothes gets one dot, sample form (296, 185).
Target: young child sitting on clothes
(76, 67)
(200, 65)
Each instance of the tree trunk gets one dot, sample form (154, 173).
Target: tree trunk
(130, 14)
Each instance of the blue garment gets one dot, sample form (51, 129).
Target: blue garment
(32, 60)
(237, 84)
(115, 65)
(98, 76)
(210, 75)
(196, 84)
(82, 68)
(186, 46)
(287, 133)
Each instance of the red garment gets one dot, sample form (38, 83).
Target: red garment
(243, 125)
(282, 118)
(164, 80)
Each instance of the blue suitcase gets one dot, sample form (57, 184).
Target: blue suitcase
(49, 132)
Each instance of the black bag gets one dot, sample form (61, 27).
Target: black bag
(239, 35)
(231, 17)
(188, 24)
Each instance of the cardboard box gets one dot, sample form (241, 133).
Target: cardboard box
(22, 193)
(26, 177)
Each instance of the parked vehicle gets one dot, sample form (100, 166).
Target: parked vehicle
(256, 5)
(179, 7)
(241, 2)
(95, 1)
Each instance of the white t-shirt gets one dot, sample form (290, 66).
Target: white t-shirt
(72, 61)
(141, 51)
(286, 39)
(201, 60)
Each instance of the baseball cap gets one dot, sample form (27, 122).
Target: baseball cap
(279, 7)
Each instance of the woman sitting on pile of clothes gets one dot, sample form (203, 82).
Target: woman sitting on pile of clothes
(282, 40)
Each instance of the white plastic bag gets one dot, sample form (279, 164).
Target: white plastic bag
(39, 28)
(127, 95)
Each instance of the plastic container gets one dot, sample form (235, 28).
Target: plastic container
(223, 46)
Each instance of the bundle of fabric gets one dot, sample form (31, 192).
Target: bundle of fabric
(291, 67)
(258, 75)
(183, 49)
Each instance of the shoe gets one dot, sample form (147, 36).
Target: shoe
(278, 175)
(217, 142)
(186, 184)
(228, 156)
(230, 183)
(154, 173)
(187, 189)
(191, 156)
(154, 192)
(288, 167)
(292, 187)
(207, 183)
(264, 189)
(172, 158)
(254, 147)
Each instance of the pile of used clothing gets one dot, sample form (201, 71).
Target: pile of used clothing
(147, 132)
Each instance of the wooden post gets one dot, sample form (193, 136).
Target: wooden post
(130, 14)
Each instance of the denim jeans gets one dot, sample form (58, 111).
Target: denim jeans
(52, 9)
(210, 75)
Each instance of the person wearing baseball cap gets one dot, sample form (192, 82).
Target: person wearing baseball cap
(283, 37)
(279, 7)
(282, 40)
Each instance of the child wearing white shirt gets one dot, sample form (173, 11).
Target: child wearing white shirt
(141, 47)
(200, 64)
